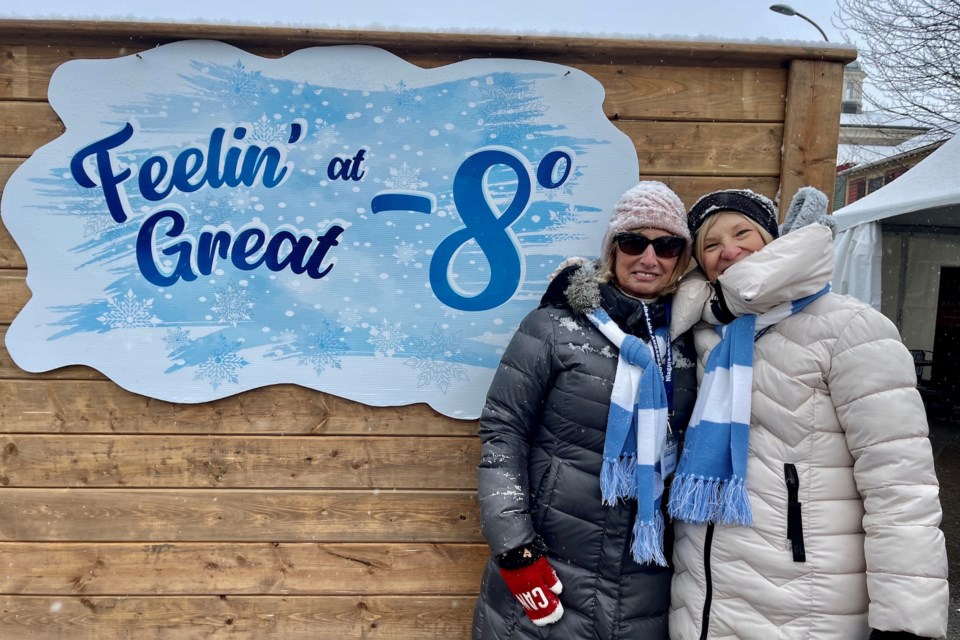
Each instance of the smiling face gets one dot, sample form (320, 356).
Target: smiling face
(730, 238)
(645, 275)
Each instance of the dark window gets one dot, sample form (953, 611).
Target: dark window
(892, 174)
(858, 189)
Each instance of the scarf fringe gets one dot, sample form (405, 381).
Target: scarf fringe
(702, 500)
(648, 541)
(735, 503)
(618, 479)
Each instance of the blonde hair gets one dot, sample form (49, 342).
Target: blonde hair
(712, 220)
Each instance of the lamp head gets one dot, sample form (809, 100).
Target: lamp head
(785, 9)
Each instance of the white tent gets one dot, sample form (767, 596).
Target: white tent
(925, 197)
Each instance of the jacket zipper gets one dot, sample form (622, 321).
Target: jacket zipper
(794, 518)
(707, 543)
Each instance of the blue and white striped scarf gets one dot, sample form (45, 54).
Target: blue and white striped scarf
(710, 485)
(636, 434)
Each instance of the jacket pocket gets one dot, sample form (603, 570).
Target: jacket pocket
(794, 516)
(544, 493)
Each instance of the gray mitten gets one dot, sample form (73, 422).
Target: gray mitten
(807, 207)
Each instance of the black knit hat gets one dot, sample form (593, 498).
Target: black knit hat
(757, 207)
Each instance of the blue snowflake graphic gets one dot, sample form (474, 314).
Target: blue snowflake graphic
(323, 349)
(387, 339)
(405, 253)
(560, 224)
(267, 132)
(405, 178)
(129, 312)
(222, 365)
(93, 211)
(240, 200)
(214, 209)
(349, 319)
(435, 359)
(326, 134)
(232, 304)
(176, 338)
(243, 87)
(508, 109)
(403, 95)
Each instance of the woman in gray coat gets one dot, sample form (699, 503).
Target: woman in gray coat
(579, 434)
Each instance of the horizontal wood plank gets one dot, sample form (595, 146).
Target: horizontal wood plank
(240, 569)
(26, 126)
(45, 406)
(691, 93)
(706, 149)
(662, 91)
(239, 618)
(239, 462)
(205, 515)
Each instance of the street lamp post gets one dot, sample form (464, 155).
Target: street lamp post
(787, 10)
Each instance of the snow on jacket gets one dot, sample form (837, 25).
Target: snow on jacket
(543, 428)
(835, 406)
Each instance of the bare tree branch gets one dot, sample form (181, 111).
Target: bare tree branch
(910, 50)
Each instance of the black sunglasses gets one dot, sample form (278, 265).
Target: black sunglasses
(633, 244)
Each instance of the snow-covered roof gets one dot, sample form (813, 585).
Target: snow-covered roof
(879, 119)
(930, 190)
(861, 156)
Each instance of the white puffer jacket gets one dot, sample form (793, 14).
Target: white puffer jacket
(834, 400)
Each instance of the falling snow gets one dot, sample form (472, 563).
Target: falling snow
(129, 312)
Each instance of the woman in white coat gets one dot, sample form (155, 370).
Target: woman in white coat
(805, 503)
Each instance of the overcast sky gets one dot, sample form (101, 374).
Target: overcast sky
(682, 19)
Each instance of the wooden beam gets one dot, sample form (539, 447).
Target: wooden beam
(811, 129)
(462, 45)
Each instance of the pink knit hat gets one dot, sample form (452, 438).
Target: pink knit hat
(651, 205)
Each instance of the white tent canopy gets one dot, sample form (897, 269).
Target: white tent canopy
(928, 195)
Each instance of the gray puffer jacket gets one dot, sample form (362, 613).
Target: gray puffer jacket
(543, 428)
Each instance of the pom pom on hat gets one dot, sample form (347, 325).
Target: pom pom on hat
(758, 208)
(650, 205)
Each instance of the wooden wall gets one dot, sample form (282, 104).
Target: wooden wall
(288, 513)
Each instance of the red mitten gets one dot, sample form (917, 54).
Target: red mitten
(535, 586)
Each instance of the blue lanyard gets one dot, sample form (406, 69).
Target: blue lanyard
(664, 364)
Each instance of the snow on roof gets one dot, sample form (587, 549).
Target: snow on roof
(930, 184)
(862, 155)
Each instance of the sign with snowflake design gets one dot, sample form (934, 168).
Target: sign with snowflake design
(212, 221)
